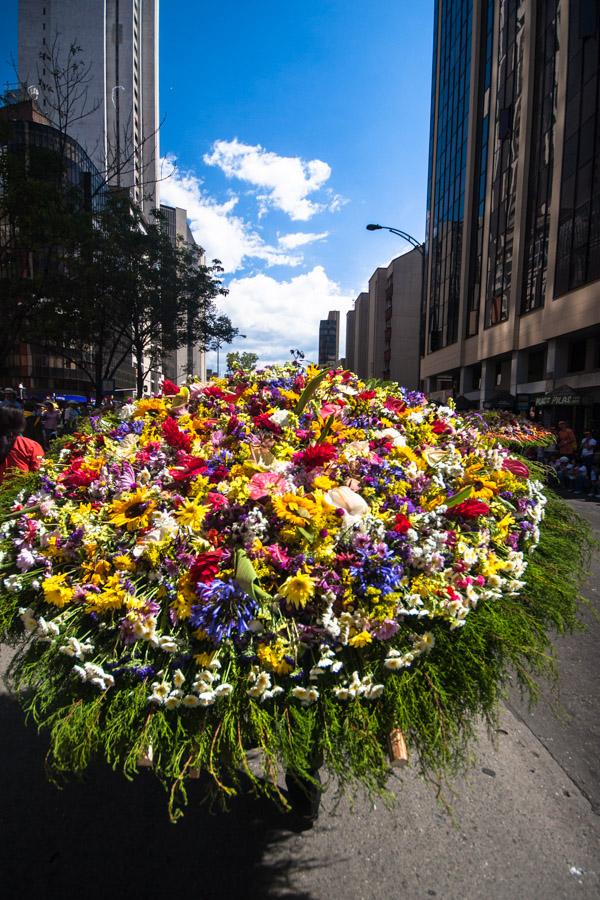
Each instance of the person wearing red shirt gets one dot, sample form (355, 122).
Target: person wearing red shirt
(16, 451)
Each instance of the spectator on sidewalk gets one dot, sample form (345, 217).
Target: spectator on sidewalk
(16, 451)
(588, 449)
(566, 440)
(10, 399)
(51, 419)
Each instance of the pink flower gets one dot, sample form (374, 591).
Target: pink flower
(265, 483)
(516, 467)
(278, 555)
(330, 409)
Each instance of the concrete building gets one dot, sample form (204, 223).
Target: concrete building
(512, 314)
(329, 339)
(190, 359)
(382, 331)
(116, 121)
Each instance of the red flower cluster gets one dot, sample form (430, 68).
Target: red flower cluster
(395, 405)
(264, 421)
(470, 509)
(366, 395)
(174, 436)
(74, 477)
(441, 427)
(315, 457)
(169, 389)
(402, 524)
(205, 567)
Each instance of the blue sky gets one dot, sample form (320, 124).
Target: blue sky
(287, 128)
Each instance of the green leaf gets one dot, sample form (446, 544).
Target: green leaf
(458, 498)
(246, 577)
(307, 535)
(309, 391)
(326, 429)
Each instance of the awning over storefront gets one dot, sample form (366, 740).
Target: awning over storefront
(562, 396)
(500, 400)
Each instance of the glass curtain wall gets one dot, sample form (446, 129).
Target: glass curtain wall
(453, 84)
(505, 158)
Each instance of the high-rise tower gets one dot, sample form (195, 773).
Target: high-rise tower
(513, 231)
(116, 117)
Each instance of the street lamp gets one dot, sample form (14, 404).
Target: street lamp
(403, 234)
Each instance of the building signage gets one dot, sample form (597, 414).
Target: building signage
(561, 397)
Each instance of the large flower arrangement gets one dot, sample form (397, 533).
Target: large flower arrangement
(285, 559)
(513, 431)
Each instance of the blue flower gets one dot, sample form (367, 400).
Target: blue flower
(225, 610)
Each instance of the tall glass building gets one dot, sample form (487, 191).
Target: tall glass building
(512, 296)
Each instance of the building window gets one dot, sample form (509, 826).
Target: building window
(498, 373)
(578, 250)
(536, 364)
(577, 352)
(504, 161)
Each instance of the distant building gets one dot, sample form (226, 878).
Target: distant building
(329, 339)
(119, 43)
(382, 332)
(190, 359)
(512, 313)
(26, 133)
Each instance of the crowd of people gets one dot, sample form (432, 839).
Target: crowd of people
(576, 461)
(49, 418)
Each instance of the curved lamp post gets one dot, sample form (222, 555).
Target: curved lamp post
(403, 234)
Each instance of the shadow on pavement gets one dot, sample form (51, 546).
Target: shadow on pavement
(107, 837)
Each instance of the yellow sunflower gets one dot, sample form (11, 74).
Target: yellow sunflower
(191, 513)
(133, 510)
(294, 508)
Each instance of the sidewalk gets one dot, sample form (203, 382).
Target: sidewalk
(524, 823)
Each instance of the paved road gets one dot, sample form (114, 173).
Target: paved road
(524, 824)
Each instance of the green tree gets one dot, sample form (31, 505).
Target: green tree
(245, 362)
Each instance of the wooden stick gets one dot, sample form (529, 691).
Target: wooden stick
(397, 749)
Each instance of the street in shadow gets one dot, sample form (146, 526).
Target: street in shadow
(107, 837)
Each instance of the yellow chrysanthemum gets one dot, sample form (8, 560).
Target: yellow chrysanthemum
(133, 511)
(298, 589)
(57, 591)
(360, 639)
(323, 483)
(124, 563)
(97, 571)
(272, 657)
(112, 596)
(192, 514)
(294, 508)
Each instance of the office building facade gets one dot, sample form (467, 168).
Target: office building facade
(329, 339)
(189, 359)
(512, 253)
(382, 331)
(116, 120)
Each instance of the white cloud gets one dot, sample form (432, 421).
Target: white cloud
(278, 315)
(300, 238)
(223, 234)
(288, 180)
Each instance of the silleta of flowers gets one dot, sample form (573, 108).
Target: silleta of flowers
(268, 543)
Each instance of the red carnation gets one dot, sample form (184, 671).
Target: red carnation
(315, 457)
(516, 467)
(174, 436)
(402, 524)
(470, 509)
(366, 395)
(74, 477)
(395, 405)
(440, 427)
(205, 567)
(169, 388)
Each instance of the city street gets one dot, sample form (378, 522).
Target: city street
(524, 824)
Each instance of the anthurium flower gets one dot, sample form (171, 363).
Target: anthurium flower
(353, 505)
(469, 509)
(516, 467)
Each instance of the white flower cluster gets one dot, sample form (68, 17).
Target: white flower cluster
(261, 686)
(94, 675)
(359, 687)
